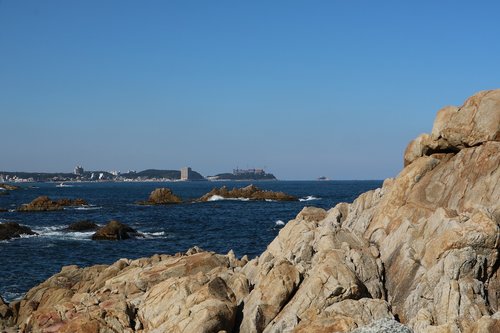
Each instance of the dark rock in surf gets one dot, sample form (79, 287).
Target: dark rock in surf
(115, 230)
(10, 230)
(82, 226)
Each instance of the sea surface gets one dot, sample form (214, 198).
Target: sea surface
(247, 227)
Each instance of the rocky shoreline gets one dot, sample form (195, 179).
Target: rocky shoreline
(421, 253)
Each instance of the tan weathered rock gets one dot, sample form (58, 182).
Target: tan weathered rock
(195, 303)
(437, 224)
(9, 187)
(5, 311)
(127, 296)
(345, 316)
(250, 192)
(272, 291)
(161, 196)
(475, 122)
(44, 203)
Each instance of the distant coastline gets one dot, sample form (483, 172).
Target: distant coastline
(185, 174)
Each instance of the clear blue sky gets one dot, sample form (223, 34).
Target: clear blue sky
(303, 88)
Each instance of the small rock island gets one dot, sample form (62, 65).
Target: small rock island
(161, 196)
(250, 192)
(44, 204)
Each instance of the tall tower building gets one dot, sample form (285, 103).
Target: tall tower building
(185, 173)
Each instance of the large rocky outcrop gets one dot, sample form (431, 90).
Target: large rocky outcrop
(161, 196)
(250, 192)
(422, 250)
(44, 203)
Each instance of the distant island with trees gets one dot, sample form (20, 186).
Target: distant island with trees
(244, 174)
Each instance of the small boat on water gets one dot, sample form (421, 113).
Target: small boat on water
(64, 185)
(323, 178)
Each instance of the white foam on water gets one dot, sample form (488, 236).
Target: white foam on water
(64, 185)
(309, 198)
(219, 198)
(58, 232)
(26, 236)
(158, 234)
(10, 296)
(216, 198)
(90, 207)
(279, 223)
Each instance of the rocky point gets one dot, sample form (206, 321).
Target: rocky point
(419, 254)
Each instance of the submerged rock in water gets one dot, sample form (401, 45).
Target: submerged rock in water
(44, 203)
(161, 196)
(422, 250)
(82, 226)
(115, 230)
(10, 230)
(250, 192)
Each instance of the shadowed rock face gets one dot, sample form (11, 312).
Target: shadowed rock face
(10, 230)
(161, 196)
(250, 192)
(423, 250)
(44, 203)
(115, 230)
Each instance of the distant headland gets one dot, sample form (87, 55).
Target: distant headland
(184, 174)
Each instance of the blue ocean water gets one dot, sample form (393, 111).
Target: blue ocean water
(247, 227)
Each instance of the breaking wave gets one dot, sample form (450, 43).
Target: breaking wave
(219, 198)
(90, 207)
(158, 234)
(309, 198)
(59, 232)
